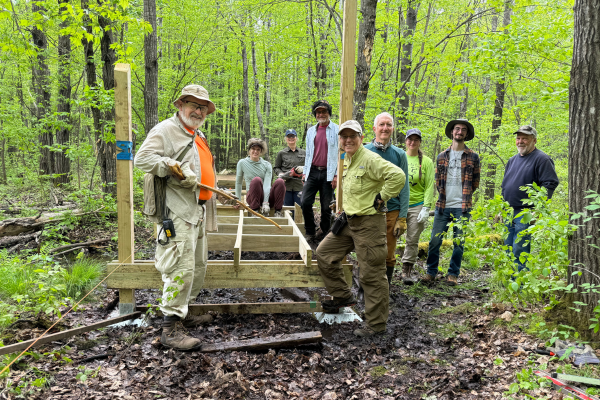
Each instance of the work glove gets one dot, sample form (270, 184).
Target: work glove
(292, 172)
(190, 177)
(299, 170)
(265, 209)
(399, 227)
(379, 204)
(423, 215)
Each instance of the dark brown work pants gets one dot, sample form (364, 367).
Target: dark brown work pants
(367, 236)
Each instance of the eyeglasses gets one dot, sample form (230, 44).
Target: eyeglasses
(196, 106)
(348, 137)
(457, 129)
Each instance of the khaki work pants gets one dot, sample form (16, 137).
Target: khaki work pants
(413, 232)
(390, 219)
(182, 264)
(367, 235)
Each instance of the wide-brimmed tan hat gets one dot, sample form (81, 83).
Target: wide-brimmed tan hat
(198, 92)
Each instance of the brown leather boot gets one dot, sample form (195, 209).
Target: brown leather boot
(407, 274)
(192, 321)
(175, 336)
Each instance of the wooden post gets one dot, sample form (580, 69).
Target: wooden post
(347, 80)
(124, 177)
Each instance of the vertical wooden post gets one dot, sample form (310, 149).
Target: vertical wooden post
(347, 80)
(124, 177)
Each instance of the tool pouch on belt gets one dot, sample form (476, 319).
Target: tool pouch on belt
(339, 223)
(155, 199)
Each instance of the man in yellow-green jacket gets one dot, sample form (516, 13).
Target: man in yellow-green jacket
(368, 182)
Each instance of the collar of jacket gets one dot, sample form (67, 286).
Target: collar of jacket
(381, 146)
(287, 149)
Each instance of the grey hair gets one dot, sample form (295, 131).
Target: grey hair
(383, 114)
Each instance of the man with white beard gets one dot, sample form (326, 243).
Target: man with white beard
(531, 165)
(181, 256)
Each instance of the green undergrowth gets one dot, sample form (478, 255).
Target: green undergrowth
(37, 283)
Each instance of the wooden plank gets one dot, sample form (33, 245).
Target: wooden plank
(303, 247)
(237, 248)
(295, 294)
(290, 340)
(255, 274)
(221, 241)
(298, 216)
(250, 308)
(68, 333)
(257, 229)
(346, 80)
(258, 242)
(124, 179)
(250, 220)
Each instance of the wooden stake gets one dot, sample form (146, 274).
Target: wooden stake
(124, 177)
(347, 82)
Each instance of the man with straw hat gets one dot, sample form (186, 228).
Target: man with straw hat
(182, 251)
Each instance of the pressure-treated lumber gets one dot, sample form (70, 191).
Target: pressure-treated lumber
(303, 247)
(223, 274)
(256, 242)
(249, 220)
(291, 340)
(257, 229)
(124, 178)
(346, 80)
(68, 333)
(251, 308)
(237, 248)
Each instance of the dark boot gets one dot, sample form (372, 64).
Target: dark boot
(407, 274)
(192, 321)
(333, 306)
(175, 336)
(389, 272)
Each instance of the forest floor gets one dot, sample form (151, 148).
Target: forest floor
(441, 343)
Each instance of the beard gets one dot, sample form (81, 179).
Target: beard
(323, 120)
(193, 123)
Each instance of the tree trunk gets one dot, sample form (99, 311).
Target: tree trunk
(150, 68)
(366, 39)
(267, 105)
(490, 184)
(245, 94)
(406, 65)
(107, 151)
(62, 162)
(257, 101)
(42, 88)
(584, 156)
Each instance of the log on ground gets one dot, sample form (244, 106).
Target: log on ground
(292, 340)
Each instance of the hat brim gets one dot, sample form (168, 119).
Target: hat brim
(211, 105)
(470, 129)
(349, 129)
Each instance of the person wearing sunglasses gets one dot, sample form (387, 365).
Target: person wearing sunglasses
(422, 184)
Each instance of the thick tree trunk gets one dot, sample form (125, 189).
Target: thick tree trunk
(584, 156)
(366, 39)
(406, 65)
(42, 88)
(245, 94)
(107, 151)
(490, 185)
(62, 162)
(150, 68)
(257, 101)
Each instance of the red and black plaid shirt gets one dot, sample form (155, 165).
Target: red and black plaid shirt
(470, 170)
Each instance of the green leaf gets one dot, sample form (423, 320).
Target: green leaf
(514, 286)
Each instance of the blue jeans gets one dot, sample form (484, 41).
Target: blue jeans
(440, 226)
(292, 197)
(520, 243)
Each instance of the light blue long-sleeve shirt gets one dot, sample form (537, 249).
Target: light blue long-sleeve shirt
(248, 170)
(332, 149)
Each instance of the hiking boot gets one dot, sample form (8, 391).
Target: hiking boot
(451, 280)
(407, 278)
(174, 336)
(427, 280)
(192, 321)
(333, 306)
(278, 214)
(310, 238)
(367, 331)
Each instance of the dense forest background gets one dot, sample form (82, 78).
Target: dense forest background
(500, 64)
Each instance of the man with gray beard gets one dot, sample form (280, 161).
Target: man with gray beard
(181, 256)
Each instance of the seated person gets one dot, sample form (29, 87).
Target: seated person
(258, 173)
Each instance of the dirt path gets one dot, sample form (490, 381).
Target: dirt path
(441, 343)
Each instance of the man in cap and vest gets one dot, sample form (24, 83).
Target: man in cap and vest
(368, 183)
(182, 252)
(456, 177)
(289, 165)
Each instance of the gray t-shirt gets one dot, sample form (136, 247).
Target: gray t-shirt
(454, 181)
